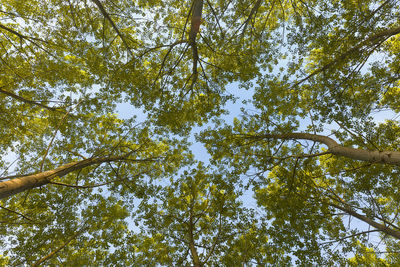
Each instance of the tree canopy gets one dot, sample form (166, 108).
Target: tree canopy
(101, 102)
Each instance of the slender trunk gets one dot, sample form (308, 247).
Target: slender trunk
(20, 184)
(197, 10)
(192, 247)
(385, 157)
(252, 13)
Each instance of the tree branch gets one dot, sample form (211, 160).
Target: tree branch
(216, 239)
(252, 13)
(96, 185)
(192, 246)
(20, 98)
(21, 36)
(373, 156)
(18, 213)
(194, 29)
(381, 227)
(30, 39)
(372, 39)
(51, 254)
(196, 19)
(54, 136)
(107, 16)
(349, 236)
(23, 183)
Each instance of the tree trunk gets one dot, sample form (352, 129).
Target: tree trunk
(197, 11)
(385, 157)
(192, 246)
(20, 184)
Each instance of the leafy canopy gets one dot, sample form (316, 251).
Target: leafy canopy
(306, 175)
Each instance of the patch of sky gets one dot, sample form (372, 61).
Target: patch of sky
(127, 111)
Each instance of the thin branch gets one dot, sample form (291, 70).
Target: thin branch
(192, 245)
(187, 20)
(381, 227)
(267, 17)
(351, 133)
(51, 254)
(21, 36)
(253, 12)
(171, 47)
(372, 39)
(17, 223)
(75, 153)
(296, 156)
(215, 15)
(30, 39)
(162, 46)
(16, 212)
(96, 185)
(214, 245)
(20, 98)
(54, 136)
(349, 236)
(107, 16)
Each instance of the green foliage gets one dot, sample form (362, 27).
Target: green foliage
(326, 68)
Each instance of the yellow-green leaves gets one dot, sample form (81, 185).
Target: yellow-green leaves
(75, 76)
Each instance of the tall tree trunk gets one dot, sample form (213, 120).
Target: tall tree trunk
(197, 11)
(192, 246)
(20, 184)
(385, 157)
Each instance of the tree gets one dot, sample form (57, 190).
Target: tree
(90, 185)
